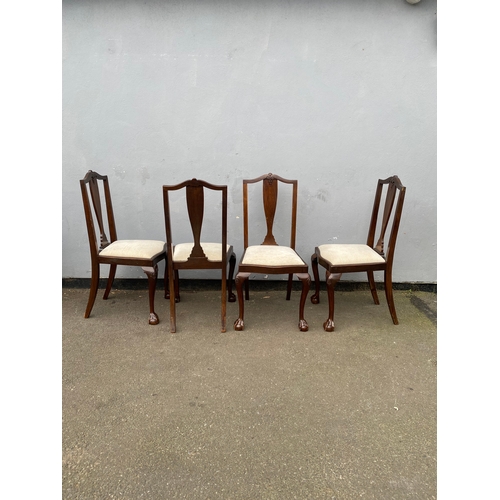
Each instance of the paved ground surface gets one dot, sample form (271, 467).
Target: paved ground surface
(268, 413)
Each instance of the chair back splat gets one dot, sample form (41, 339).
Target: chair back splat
(270, 202)
(103, 250)
(270, 197)
(198, 254)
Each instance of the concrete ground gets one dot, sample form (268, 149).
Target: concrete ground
(268, 413)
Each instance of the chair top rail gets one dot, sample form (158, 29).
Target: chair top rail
(269, 177)
(194, 183)
(91, 175)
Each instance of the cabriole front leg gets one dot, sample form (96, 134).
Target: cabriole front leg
(231, 297)
(241, 278)
(331, 281)
(152, 274)
(306, 283)
(314, 265)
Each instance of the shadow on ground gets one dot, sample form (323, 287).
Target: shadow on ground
(268, 413)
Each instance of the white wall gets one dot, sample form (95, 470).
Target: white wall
(334, 93)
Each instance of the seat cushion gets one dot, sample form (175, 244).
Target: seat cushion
(271, 255)
(213, 251)
(349, 254)
(134, 249)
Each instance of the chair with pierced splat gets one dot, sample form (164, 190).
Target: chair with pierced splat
(198, 254)
(338, 259)
(143, 253)
(269, 257)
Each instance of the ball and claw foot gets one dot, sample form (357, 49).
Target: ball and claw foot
(231, 298)
(315, 298)
(303, 326)
(328, 325)
(239, 325)
(153, 319)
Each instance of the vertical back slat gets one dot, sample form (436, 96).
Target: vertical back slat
(96, 203)
(195, 204)
(270, 199)
(389, 203)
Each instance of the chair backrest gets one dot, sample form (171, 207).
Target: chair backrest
(270, 199)
(195, 200)
(93, 197)
(394, 197)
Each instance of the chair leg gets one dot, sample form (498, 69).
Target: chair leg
(111, 277)
(231, 297)
(289, 287)
(389, 296)
(165, 281)
(94, 285)
(223, 300)
(331, 281)
(171, 287)
(176, 285)
(306, 283)
(247, 290)
(373, 287)
(314, 265)
(240, 279)
(152, 274)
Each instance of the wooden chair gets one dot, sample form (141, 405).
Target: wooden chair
(349, 258)
(144, 253)
(269, 257)
(197, 254)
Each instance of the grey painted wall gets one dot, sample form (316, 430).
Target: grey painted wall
(333, 93)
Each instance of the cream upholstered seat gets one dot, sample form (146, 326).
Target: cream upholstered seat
(269, 257)
(348, 258)
(213, 251)
(349, 254)
(134, 249)
(198, 254)
(103, 250)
